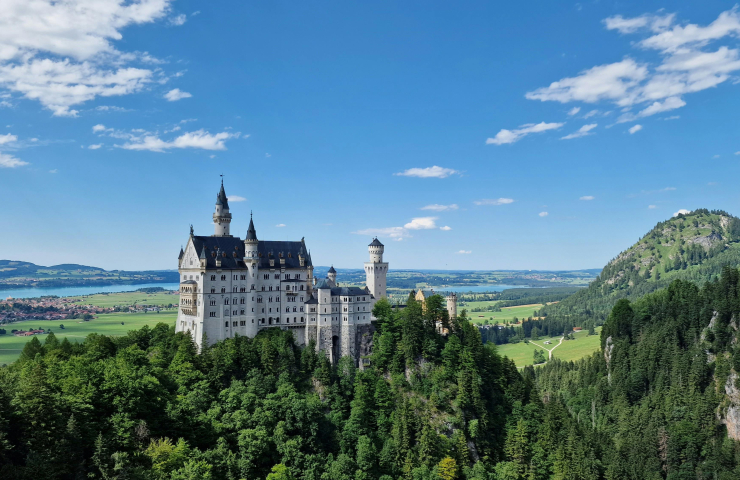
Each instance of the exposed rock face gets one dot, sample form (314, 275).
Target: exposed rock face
(730, 414)
(608, 348)
(707, 241)
(364, 343)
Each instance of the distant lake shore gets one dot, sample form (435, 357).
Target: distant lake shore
(78, 291)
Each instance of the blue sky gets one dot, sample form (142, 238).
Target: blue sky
(437, 127)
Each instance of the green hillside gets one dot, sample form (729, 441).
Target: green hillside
(691, 247)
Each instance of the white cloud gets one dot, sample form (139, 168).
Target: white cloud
(656, 23)
(198, 139)
(178, 20)
(737, 153)
(396, 233)
(421, 223)
(464, 252)
(652, 207)
(672, 117)
(98, 128)
(111, 108)
(543, 214)
(236, 198)
(53, 171)
(587, 197)
(9, 161)
(685, 66)
(429, 172)
(581, 132)
(574, 110)
(61, 53)
(604, 82)
(176, 94)
(445, 228)
(590, 114)
(7, 138)
(280, 225)
(505, 136)
(682, 211)
(494, 201)
(635, 129)
(95, 146)
(440, 208)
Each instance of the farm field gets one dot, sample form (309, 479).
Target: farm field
(127, 298)
(106, 324)
(507, 313)
(523, 353)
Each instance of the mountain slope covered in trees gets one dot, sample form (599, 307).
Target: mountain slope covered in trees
(693, 247)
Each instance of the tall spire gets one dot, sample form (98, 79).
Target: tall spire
(251, 232)
(221, 198)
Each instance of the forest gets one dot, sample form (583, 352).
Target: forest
(428, 406)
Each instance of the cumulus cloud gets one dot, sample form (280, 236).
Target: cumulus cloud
(543, 214)
(494, 201)
(445, 228)
(428, 172)
(395, 233)
(178, 20)
(9, 161)
(176, 94)
(587, 197)
(505, 136)
(98, 128)
(236, 198)
(198, 139)
(464, 252)
(634, 129)
(440, 208)
(581, 132)
(95, 146)
(687, 64)
(421, 223)
(62, 54)
(682, 211)
(8, 138)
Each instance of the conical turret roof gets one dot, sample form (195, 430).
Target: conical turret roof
(221, 197)
(331, 270)
(182, 254)
(251, 232)
(375, 243)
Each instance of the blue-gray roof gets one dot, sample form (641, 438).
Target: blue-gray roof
(221, 197)
(375, 243)
(231, 251)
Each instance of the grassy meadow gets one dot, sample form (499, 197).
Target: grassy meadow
(76, 330)
(105, 300)
(506, 313)
(523, 353)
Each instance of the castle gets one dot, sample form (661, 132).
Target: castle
(230, 286)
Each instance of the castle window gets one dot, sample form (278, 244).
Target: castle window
(242, 323)
(213, 301)
(287, 309)
(223, 278)
(234, 289)
(213, 278)
(287, 288)
(234, 277)
(234, 324)
(223, 289)
(226, 312)
(263, 288)
(297, 276)
(212, 314)
(271, 288)
(226, 302)
(301, 309)
(301, 299)
(243, 300)
(277, 276)
(226, 324)
(301, 288)
(213, 289)
(301, 319)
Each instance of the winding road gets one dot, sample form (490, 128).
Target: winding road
(549, 349)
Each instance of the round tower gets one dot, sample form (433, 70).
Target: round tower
(222, 217)
(251, 243)
(452, 305)
(376, 270)
(332, 275)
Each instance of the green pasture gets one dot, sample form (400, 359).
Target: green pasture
(508, 313)
(76, 330)
(105, 300)
(523, 353)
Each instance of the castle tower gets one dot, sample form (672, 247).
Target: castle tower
(376, 270)
(251, 243)
(332, 276)
(222, 217)
(452, 305)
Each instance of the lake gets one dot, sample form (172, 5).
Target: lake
(77, 291)
(479, 288)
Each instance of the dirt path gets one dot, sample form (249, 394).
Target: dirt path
(548, 349)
